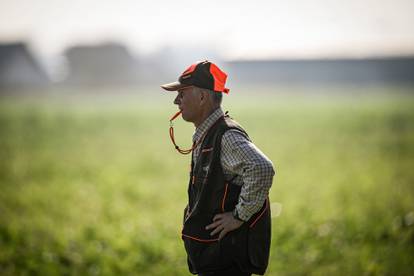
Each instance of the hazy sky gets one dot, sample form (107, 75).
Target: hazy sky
(236, 29)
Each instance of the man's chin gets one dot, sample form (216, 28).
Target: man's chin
(184, 116)
(186, 119)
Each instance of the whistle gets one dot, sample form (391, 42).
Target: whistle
(175, 116)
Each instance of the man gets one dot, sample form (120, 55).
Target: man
(227, 226)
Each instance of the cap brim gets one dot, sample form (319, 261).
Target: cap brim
(174, 86)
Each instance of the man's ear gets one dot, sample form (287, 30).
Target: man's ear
(203, 96)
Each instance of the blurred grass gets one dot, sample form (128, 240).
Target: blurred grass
(92, 186)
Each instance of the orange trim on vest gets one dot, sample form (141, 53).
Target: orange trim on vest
(206, 150)
(224, 197)
(261, 214)
(197, 239)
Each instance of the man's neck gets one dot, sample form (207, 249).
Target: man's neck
(205, 115)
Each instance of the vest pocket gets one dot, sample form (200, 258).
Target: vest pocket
(258, 241)
(204, 252)
(202, 256)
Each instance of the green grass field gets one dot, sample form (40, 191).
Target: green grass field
(92, 186)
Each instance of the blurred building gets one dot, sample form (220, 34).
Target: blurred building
(101, 65)
(112, 64)
(324, 71)
(19, 68)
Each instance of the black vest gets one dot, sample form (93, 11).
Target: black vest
(209, 194)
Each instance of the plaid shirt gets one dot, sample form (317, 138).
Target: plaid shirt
(244, 164)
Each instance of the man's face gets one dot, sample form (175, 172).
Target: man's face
(188, 102)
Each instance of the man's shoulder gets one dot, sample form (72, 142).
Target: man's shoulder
(234, 137)
(230, 122)
(235, 133)
(228, 131)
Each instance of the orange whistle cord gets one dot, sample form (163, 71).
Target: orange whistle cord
(187, 151)
(175, 116)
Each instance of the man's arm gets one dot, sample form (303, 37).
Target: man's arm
(240, 156)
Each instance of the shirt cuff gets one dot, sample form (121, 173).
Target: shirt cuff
(236, 215)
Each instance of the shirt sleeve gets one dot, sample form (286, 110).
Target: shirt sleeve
(241, 157)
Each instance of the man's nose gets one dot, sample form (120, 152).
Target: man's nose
(176, 101)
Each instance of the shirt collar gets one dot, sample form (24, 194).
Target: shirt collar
(204, 126)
